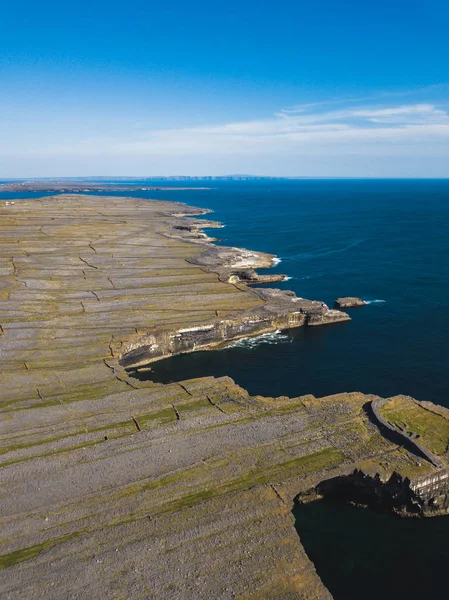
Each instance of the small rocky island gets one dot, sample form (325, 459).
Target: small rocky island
(114, 487)
(349, 302)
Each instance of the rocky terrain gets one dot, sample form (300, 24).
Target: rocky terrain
(349, 302)
(113, 487)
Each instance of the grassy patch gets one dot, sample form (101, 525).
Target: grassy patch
(303, 465)
(54, 452)
(203, 402)
(287, 470)
(106, 428)
(162, 416)
(432, 429)
(8, 560)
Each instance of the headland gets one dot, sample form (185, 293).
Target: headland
(116, 487)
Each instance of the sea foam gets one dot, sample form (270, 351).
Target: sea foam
(267, 338)
(376, 301)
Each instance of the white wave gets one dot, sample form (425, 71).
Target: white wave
(376, 301)
(287, 278)
(276, 261)
(267, 338)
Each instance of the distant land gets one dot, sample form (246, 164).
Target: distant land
(113, 178)
(103, 183)
(75, 186)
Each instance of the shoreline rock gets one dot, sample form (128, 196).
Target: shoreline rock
(349, 302)
(281, 310)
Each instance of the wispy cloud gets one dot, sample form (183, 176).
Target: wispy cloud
(381, 128)
(345, 130)
(379, 97)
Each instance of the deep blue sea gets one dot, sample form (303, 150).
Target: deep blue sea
(365, 555)
(386, 241)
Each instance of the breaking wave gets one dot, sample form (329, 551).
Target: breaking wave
(276, 261)
(267, 338)
(375, 301)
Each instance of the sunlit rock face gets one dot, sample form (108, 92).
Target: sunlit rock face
(280, 310)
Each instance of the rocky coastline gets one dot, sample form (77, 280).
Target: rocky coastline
(118, 487)
(427, 496)
(280, 309)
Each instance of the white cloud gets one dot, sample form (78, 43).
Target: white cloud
(318, 132)
(381, 129)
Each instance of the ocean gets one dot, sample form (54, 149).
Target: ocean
(361, 554)
(386, 241)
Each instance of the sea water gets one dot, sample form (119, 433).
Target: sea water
(361, 554)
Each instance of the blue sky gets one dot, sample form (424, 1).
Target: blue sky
(293, 88)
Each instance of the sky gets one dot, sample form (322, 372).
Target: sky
(316, 88)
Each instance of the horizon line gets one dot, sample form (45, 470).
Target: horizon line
(206, 177)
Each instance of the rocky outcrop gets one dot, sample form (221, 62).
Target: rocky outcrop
(192, 229)
(348, 302)
(250, 277)
(232, 265)
(419, 497)
(412, 494)
(227, 258)
(281, 310)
